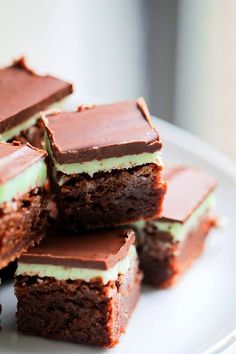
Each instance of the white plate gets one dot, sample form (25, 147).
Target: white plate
(198, 315)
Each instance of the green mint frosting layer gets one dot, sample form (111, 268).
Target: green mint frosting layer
(9, 134)
(178, 230)
(105, 165)
(34, 176)
(86, 274)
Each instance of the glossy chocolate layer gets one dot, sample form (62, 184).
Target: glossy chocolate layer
(16, 158)
(100, 132)
(24, 93)
(187, 189)
(98, 250)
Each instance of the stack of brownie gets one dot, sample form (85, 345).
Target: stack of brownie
(24, 199)
(105, 170)
(81, 281)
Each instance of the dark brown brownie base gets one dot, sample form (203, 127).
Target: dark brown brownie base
(110, 199)
(77, 311)
(22, 224)
(162, 260)
(33, 135)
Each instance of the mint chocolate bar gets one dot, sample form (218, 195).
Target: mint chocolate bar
(80, 288)
(23, 94)
(23, 199)
(168, 245)
(106, 165)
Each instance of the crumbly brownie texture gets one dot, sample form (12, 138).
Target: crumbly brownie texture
(22, 224)
(33, 135)
(77, 311)
(110, 198)
(164, 260)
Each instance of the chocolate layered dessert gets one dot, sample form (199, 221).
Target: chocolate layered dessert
(23, 94)
(106, 165)
(167, 246)
(23, 199)
(81, 289)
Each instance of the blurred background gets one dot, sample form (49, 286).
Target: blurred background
(179, 54)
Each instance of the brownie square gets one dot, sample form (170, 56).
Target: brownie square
(106, 165)
(23, 199)
(81, 289)
(23, 94)
(167, 246)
